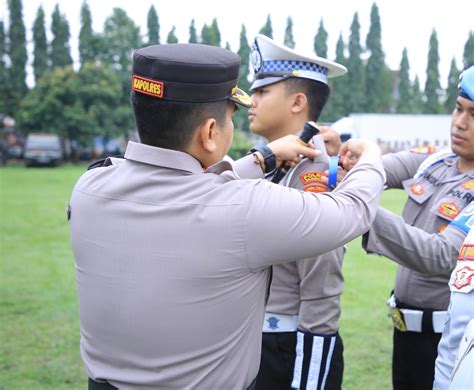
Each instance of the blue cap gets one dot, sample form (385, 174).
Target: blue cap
(466, 83)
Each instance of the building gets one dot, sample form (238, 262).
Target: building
(395, 132)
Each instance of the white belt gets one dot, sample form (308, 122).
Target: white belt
(274, 323)
(413, 319)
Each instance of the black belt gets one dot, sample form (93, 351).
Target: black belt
(93, 385)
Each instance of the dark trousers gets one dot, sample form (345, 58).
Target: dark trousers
(277, 364)
(413, 362)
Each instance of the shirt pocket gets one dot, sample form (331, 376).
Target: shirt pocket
(419, 191)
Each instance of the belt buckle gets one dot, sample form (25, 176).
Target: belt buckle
(398, 320)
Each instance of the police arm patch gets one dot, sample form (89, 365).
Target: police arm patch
(462, 279)
(465, 220)
(312, 177)
(423, 149)
(466, 252)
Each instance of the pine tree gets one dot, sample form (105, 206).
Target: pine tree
(468, 57)
(215, 33)
(452, 89)
(355, 80)
(378, 80)
(60, 50)
(405, 99)
(240, 117)
(172, 38)
(17, 52)
(432, 86)
(192, 33)
(4, 92)
(120, 37)
(153, 27)
(289, 41)
(87, 40)
(320, 41)
(227, 45)
(210, 35)
(417, 97)
(337, 105)
(40, 49)
(206, 35)
(244, 53)
(267, 29)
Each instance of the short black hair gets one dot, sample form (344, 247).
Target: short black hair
(169, 124)
(316, 92)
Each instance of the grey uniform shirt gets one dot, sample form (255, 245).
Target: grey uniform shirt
(311, 287)
(172, 263)
(422, 242)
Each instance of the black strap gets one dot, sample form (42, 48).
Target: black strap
(102, 162)
(93, 385)
(427, 321)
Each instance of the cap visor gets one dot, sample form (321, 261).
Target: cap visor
(266, 81)
(241, 97)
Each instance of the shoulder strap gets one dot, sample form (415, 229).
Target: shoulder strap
(432, 160)
(103, 162)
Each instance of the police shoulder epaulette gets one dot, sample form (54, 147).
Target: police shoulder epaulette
(423, 149)
(103, 162)
(434, 159)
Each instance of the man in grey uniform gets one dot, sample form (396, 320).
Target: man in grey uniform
(173, 246)
(301, 345)
(424, 242)
(459, 329)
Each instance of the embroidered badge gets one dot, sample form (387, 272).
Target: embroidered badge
(417, 189)
(317, 187)
(312, 177)
(469, 185)
(464, 277)
(466, 252)
(465, 220)
(148, 86)
(448, 209)
(423, 149)
(273, 322)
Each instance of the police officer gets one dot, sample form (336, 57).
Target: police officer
(301, 346)
(173, 251)
(460, 314)
(423, 242)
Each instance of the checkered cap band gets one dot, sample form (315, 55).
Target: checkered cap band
(291, 65)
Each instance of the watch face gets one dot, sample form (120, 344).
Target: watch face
(256, 58)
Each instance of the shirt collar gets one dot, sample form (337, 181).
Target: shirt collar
(161, 157)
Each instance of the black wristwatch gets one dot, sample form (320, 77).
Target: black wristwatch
(268, 157)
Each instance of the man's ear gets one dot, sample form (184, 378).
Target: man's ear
(300, 102)
(206, 133)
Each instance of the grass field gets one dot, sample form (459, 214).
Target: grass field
(39, 328)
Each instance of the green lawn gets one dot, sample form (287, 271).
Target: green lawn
(39, 329)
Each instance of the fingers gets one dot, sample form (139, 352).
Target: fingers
(332, 140)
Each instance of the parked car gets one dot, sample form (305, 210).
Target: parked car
(43, 149)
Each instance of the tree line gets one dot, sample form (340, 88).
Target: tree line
(94, 100)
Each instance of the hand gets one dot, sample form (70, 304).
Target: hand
(332, 140)
(353, 150)
(290, 149)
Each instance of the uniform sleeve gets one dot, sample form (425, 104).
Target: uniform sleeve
(243, 168)
(286, 224)
(401, 166)
(412, 247)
